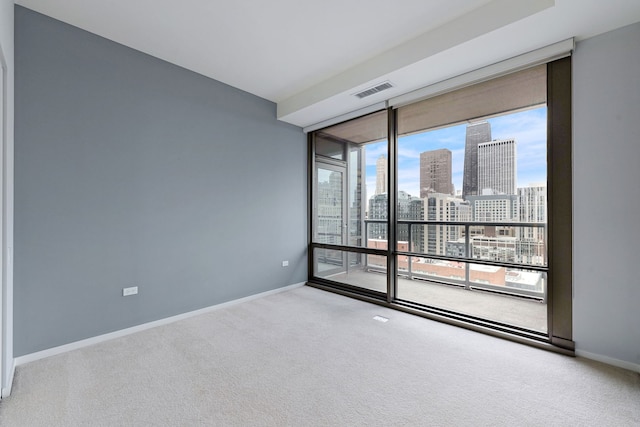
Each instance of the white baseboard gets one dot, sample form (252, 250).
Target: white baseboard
(132, 330)
(609, 360)
(6, 391)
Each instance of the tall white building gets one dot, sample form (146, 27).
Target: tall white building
(533, 208)
(444, 207)
(533, 203)
(495, 208)
(381, 174)
(497, 168)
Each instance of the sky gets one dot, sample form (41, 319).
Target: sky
(528, 128)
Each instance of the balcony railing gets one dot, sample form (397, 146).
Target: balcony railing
(467, 254)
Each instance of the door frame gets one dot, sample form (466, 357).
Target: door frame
(341, 167)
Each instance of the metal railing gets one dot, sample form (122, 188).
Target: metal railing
(512, 262)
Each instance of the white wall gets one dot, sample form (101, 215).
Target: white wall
(606, 161)
(6, 201)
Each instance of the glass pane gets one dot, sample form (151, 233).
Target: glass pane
(364, 140)
(505, 295)
(432, 239)
(471, 173)
(328, 147)
(524, 245)
(350, 268)
(489, 178)
(329, 226)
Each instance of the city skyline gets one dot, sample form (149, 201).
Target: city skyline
(528, 128)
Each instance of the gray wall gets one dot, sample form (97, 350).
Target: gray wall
(133, 172)
(607, 195)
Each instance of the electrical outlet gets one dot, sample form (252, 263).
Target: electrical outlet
(285, 263)
(129, 291)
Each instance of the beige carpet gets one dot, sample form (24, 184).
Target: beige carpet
(306, 357)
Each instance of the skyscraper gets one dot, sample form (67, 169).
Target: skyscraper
(533, 208)
(477, 133)
(497, 167)
(435, 172)
(409, 207)
(533, 203)
(495, 208)
(381, 174)
(378, 209)
(444, 207)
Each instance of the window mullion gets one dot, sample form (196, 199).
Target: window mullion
(392, 192)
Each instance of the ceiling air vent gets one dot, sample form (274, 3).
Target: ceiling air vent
(373, 90)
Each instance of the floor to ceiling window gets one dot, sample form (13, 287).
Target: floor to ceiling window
(481, 185)
(446, 206)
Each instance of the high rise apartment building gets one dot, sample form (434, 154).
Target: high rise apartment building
(533, 203)
(495, 208)
(477, 133)
(378, 210)
(435, 172)
(533, 209)
(381, 174)
(497, 167)
(409, 208)
(444, 207)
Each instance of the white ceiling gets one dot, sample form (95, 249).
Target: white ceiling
(310, 56)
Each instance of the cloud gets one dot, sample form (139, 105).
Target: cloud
(526, 126)
(373, 151)
(405, 152)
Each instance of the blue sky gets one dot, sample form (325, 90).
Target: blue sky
(529, 128)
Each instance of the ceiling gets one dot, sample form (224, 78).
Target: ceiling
(311, 56)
